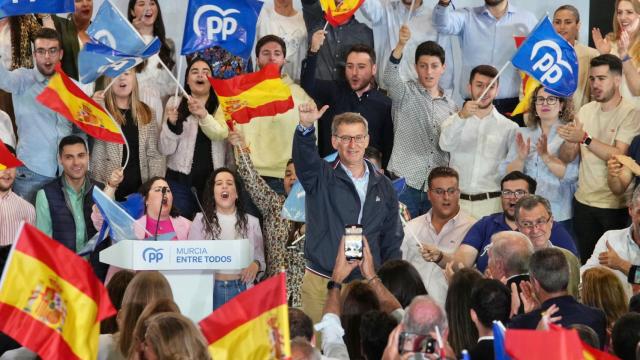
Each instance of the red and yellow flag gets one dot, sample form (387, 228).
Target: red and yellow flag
(50, 300)
(261, 93)
(252, 325)
(63, 96)
(528, 85)
(340, 14)
(7, 160)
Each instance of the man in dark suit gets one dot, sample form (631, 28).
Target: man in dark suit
(490, 301)
(549, 274)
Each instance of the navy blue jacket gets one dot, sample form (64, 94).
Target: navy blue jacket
(373, 105)
(572, 312)
(333, 202)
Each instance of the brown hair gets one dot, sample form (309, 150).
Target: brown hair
(602, 289)
(140, 112)
(146, 287)
(566, 114)
(156, 307)
(173, 336)
(441, 172)
(116, 288)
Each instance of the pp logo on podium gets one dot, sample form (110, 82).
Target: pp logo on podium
(152, 255)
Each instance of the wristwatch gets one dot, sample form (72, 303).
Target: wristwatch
(334, 285)
(587, 141)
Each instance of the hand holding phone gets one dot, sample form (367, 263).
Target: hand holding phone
(353, 242)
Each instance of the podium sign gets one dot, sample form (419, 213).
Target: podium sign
(188, 265)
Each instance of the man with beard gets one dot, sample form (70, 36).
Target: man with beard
(478, 139)
(431, 238)
(474, 247)
(386, 17)
(359, 94)
(64, 205)
(603, 128)
(419, 108)
(13, 209)
(486, 37)
(39, 128)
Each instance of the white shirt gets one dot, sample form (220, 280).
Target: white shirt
(7, 135)
(386, 17)
(292, 30)
(448, 240)
(622, 243)
(5, 48)
(477, 148)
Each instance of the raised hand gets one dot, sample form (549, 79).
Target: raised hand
(309, 113)
(548, 318)
(572, 132)
(404, 35)
(601, 43)
(317, 40)
(196, 107)
(172, 114)
(542, 147)
(623, 44)
(236, 139)
(469, 109)
(522, 146)
(528, 297)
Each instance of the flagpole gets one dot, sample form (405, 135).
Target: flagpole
(406, 22)
(126, 143)
(504, 67)
(242, 155)
(174, 79)
(175, 96)
(325, 26)
(113, 80)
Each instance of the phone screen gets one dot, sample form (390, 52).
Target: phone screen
(353, 242)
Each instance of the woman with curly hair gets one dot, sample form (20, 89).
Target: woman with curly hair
(225, 218)
(535, 152)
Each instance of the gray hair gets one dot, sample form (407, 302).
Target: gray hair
(423, 315)
(550, 268)
(634, 200)
(514, 249)
(305, 347)
(531, 201)
(347, 119)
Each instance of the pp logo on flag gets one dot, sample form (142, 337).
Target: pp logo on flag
(547, 63)
(151, 255)
(107, 38)
(223, 24)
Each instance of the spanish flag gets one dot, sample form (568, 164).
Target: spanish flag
(529, 84)
(7, 160)
(252, 325)
(339, 15)
(261, 93)
(50, 300)
(63, 96)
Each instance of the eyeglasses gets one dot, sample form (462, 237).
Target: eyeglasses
(44, 52)
(551, 100)
(530, 225)
(517, 193)
(441, 192)
(359, 139)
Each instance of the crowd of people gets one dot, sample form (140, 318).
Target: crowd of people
(527, 220)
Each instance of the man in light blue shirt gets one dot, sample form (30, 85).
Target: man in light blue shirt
(39, 128)
(487, 37)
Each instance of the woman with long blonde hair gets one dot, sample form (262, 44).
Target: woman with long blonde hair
(602, 289)
(135, 118)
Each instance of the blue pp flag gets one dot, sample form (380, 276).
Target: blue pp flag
(230, 24)
(115, 46)
(498, 342)
(550, 59)
(23, 7)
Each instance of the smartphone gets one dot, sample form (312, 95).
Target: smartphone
(415, 343)
(353, 242)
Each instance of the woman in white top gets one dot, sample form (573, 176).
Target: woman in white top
(224, 218)
(155, 82)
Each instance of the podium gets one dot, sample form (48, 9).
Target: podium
(188, 265)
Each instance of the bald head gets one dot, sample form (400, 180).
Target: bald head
(423, 315)
(513, 250)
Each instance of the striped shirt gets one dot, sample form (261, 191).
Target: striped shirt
(417, 118)
(13, 210)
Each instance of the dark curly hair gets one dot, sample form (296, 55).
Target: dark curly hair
(209, 206)
(146, 187)
(567, 112)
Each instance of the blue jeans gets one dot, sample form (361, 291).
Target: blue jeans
(28, 183)
(224, 291)
(415, 200)
(183, 200)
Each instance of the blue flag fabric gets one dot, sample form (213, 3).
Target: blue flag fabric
(550, 59)
(498, 342)
(23, 7)
(230, 24)
(115, 46)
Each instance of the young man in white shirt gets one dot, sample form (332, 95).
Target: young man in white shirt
(478, 139)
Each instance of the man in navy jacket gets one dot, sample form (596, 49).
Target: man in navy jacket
(347, 191)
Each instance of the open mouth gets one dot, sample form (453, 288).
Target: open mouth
(224, 195)
(200, 82)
